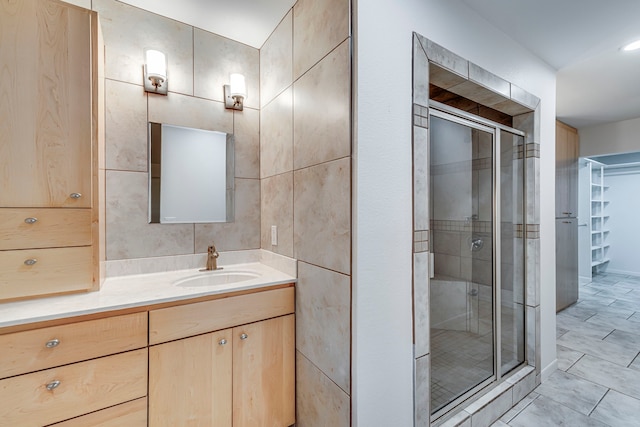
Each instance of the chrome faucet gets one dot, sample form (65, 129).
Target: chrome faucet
(212, 259)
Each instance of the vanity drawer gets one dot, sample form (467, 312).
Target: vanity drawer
(44, 228)
(44, 348)
(36, 400)
(182, 321)
(56, 270)
(130, 414)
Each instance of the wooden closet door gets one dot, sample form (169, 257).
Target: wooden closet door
(45, 104)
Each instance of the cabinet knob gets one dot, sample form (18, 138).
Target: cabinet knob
(53, 385)
(30, 261)
(52, 343)
(75, 195)
(222, 342)
(31, 220)
(244, 336)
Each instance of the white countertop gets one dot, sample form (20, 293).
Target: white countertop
(133, 291)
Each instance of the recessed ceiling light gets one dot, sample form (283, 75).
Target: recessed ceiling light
(632, 46)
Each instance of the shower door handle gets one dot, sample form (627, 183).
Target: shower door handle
(477, 244)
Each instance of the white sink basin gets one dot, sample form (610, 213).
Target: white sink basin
(216, 278)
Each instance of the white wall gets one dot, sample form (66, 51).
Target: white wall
(623, 219)
(382, 325)
(610, 138)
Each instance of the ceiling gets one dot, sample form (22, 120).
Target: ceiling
(248, 21)
(597, 83)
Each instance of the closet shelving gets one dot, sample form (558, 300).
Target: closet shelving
(599, 218)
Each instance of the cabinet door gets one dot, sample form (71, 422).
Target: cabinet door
(264, 373)
(566, 262)
(572, 150)
(567, 152)
(561, 171)
(190, 381)
(46, 108)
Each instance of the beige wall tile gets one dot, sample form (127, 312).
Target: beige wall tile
(129, 235)
(246, 131)
(244, 231)
(276, 133)
(181, 110)
(128, 31)
(322, 215)
(126, 126)
(321, 102)
(319, 402)
(276, 61)
(318, 27)
(421, 318)
(423, 389)
(323, 320)
(277, 209)
(215, 57)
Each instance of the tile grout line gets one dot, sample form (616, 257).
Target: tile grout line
(596, 405)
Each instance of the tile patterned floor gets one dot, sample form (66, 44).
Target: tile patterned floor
(598, 378)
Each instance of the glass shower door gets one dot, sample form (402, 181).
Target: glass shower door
(461, 289)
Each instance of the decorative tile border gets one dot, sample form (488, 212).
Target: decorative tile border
(421, 116)
(464, 166)
(472, 225)
(420, 241)
(533, 231)
(533, 149)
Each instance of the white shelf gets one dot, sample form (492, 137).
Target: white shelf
(598, 219)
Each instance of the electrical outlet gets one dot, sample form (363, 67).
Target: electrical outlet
(274, 235)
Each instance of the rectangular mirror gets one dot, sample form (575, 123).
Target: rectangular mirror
(191, 175)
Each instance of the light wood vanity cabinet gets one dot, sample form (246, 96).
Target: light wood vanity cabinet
(193, 371)
(57, 373)
(48, 148)
(238, 376)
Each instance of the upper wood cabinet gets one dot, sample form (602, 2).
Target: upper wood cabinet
(49, 58)
(46, 104)
(567, 152)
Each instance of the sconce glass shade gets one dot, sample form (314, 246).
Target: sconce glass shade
(156, 64)
(238, 86)
(155, 72)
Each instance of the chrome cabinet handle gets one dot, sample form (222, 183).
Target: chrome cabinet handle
(53, 385)
(75, 195)
(52, 343)
(222, 341)
(31, 220)
(30, 261)
(244, 336)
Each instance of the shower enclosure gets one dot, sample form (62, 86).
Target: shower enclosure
(477, 278)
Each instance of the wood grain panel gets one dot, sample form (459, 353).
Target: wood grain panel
(130, 414)
(56, 271)
(84, 387)
(24, 352)
(264, 373)
(53, 228)
(190, 381)
(184, 321)
(45, 135)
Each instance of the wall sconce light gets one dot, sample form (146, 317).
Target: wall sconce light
(235, 92)
(155, 72)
